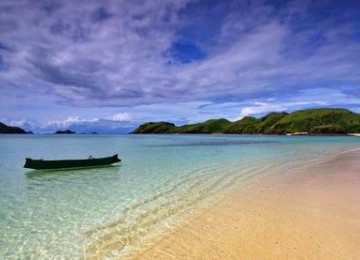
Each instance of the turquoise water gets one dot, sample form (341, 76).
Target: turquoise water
(162, 178)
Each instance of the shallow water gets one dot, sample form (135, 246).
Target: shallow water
(114, 210)
(309, 213)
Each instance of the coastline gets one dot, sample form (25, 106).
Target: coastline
(311, 212)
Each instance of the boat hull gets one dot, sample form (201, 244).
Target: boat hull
(66, 164)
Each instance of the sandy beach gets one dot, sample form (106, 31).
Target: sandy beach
(308, 213)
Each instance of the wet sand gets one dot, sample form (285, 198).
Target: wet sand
(310, 213)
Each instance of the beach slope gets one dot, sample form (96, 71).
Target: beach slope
(308, 213)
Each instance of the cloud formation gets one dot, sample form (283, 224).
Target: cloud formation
(136, 54)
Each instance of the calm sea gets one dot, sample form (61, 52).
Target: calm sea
(162, 179)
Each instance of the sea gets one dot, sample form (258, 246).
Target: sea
(114, 211)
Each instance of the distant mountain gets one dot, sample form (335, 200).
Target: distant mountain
(60, 132)
(4, 129)
(311, 121)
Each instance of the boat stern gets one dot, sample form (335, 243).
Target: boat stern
(28, 163)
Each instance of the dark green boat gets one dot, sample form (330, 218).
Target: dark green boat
(65, 164)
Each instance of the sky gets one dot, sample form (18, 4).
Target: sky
(109, 65)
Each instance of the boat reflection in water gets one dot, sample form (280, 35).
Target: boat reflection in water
(74, 172)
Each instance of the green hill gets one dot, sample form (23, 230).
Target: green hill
(207, 127)
(251, 125)
(266, 122)
(154, 128)
(306, 120)
(247, 125)
(312, 121)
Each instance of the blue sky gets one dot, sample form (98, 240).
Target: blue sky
(107, 65)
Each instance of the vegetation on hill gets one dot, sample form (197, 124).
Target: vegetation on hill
(154, 128)
(246, 125)
(266, 122)
(4, 129)
(207, 127)
(328, 129)
(307, 120)
(312, 121)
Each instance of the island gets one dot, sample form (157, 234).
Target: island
(319, 121)
(62, 132)
(5, 129)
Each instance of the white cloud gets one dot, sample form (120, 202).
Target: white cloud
(60, 53)
(309, 98)
(71, 120)
(121, 117)
(122, 61)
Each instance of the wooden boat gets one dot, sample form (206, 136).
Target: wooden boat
(65, 164)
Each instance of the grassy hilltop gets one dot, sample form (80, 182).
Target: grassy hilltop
(312, 121)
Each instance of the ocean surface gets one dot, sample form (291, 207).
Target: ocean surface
(112, 211)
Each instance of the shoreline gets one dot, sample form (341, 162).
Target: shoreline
(311, 212)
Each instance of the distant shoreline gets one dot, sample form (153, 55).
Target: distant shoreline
(226, 134)
(322, 121)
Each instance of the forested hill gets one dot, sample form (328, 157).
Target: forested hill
(309, 121)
